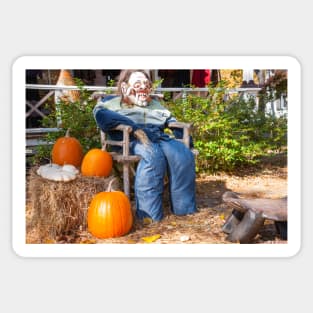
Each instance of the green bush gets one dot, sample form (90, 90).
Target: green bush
(229, 132)
(76, 116)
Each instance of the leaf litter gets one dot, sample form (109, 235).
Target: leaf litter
(203, 227)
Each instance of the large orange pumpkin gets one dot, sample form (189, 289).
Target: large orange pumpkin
(97, 162)
(67, 150)
(109, 214)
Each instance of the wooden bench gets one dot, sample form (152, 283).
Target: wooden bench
(248, 216)
(127, 160)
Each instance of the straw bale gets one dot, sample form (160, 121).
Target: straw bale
(57, 208)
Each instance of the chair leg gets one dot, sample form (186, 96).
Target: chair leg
(126, 179)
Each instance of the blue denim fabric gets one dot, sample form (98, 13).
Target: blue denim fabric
(174, 158)
(107, 120)
(164, 155)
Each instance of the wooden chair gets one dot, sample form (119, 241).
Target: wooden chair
(126, 159)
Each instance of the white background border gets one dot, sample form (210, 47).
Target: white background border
(164, 27)
(155, 250)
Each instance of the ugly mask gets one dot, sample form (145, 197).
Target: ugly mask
(138, 89)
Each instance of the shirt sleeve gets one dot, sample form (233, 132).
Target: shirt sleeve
(107, 119)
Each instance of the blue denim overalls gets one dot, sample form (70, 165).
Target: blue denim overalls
(163, 155)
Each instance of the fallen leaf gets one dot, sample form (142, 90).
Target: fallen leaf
(88, 241)
(131, 241)
(151, 238)
(47, 241)
(147, 221)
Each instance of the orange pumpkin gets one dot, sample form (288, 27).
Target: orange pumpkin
(67, 150)
(109, 214)
(97, 162)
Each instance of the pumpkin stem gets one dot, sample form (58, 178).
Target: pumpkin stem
(109, 189)
(67, 133)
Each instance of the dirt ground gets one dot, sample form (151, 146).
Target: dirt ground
(268, 181)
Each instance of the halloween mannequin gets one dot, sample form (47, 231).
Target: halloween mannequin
(160, 154)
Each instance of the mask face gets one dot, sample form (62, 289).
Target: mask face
(138, 89)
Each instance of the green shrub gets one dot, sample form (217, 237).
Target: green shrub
(229, 132)
(76, 116)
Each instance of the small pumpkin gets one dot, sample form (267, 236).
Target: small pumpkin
(109, 214)
(97, 162)
(67, 150)
(58, 173)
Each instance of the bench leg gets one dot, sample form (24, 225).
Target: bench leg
(232, 221)
(247, 228)
(281, 228)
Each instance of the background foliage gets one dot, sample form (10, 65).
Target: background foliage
(228, 131)
(76, 116)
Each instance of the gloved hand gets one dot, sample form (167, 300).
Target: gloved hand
(142, 137)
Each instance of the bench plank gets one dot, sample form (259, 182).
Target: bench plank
(273, 209)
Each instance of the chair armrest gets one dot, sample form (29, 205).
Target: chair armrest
(179, 125)
(186, 127)
(126, 129)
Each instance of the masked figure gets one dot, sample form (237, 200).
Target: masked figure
(160, 154)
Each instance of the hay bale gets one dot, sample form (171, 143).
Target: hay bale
(57, 208)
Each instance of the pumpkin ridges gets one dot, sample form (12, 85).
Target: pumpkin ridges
(110, 222)
(129, 218)
(119, 220)
(121, 223)
(96, 214)
(67, 150)
(109, 214)
(97, 162)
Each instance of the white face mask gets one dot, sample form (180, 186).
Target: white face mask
(138, 89)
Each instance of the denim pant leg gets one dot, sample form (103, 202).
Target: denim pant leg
(181, 172)
(149, 181)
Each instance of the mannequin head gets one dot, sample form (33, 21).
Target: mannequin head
(135, 87)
